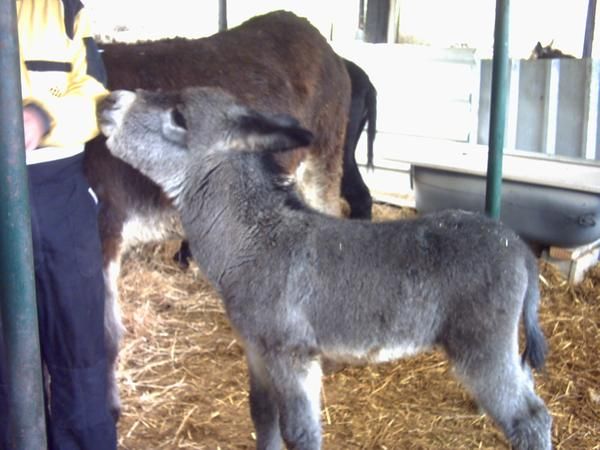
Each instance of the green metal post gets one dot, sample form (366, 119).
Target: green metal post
(18, 309)
(222, 15)
(590, 24)
(493, 194)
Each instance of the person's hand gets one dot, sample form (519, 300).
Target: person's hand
(35, 127)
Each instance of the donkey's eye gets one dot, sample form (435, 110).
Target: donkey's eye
(178, 118)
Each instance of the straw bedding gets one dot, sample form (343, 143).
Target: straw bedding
(183, 376)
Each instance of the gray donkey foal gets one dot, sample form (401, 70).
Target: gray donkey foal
(299, 285)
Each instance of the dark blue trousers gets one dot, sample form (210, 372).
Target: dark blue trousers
(70, 301)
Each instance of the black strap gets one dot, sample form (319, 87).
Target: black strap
(71, 7)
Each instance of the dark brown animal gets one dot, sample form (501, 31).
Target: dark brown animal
(363, 111)
(278, 63)
(548, 52)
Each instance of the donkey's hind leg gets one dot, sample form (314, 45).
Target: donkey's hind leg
(503, 388)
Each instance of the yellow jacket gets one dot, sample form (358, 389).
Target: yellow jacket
(61, 71)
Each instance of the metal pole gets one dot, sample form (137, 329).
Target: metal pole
(222, 15)
(590, 21)
(17, 288)
(493, 194)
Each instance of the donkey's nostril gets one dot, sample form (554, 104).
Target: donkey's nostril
(117, 100)
(113, 109)
(110, 102)
(106, 104)
(105, 119)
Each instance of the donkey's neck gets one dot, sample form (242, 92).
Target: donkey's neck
(229, 208)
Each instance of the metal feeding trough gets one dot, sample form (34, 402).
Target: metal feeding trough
(549, 201)
(547, 215)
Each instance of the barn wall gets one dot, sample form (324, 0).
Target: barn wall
(422, 91)
(433, 108)
(555, 107)
(446, 93)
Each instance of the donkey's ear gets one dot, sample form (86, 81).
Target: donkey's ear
(261, 132)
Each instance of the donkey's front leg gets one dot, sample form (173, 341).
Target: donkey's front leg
(263, 404)
(296, 382)
(113, 333)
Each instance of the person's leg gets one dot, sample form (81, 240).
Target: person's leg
(70, 291)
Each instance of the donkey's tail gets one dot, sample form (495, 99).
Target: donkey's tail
(535, 343)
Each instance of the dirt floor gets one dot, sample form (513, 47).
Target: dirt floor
(183, 376)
